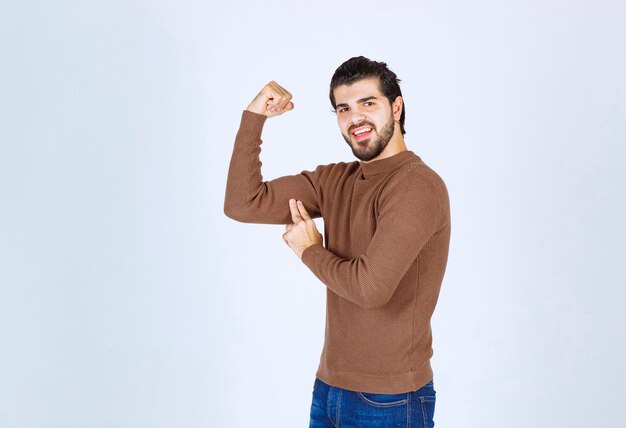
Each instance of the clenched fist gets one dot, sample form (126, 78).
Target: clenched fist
(273, 100)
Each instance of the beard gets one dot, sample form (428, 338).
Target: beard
(367, 150)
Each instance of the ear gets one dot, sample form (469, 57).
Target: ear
(396, 108)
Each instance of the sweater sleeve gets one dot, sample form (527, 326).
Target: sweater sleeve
(409, 216)
(248, 198)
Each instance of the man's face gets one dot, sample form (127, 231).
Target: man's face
(365, 117)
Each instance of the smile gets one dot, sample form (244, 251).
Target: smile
(362, 131)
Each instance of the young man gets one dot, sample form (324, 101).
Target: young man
(387, 230)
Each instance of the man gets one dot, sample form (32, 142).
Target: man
(387, 230)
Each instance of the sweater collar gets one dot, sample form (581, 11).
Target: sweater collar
(376, 167)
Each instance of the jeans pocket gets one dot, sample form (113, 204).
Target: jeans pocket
(383, 400)
(428, 409)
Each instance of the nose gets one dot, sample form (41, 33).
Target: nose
(356, 117)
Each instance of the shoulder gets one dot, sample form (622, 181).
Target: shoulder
(416, 173)
(418, 185)
(334, 170)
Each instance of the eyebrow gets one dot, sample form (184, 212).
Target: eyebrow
(360, 100)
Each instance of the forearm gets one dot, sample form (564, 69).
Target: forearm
(358, 280)
(244, 183)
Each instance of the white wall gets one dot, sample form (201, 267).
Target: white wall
(127, 298)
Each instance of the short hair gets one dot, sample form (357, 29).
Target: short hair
(359, 68)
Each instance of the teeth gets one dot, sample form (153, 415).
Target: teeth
(361, 131)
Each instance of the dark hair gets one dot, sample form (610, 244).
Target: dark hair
(358, 68)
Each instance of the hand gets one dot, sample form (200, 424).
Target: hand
(302, 233)
(273, 100)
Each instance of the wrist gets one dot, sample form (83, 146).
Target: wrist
(256, 108)
(307, 248)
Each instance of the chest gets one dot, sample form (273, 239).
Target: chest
(353, 216)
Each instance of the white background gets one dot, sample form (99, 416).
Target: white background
(128, 299)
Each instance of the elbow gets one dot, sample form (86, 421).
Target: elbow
(234, 212)
(234, 207)
(370, 289)
(229, 212)
(237, 215)
(242, 213)
(375, 301)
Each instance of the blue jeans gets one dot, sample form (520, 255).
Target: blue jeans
(337, 407)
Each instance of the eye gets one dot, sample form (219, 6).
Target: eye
(342, 110)
(368, 103)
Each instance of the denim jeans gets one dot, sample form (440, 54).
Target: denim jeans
(337, 407)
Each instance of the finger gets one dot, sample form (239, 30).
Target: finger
(295, 214)
(282, 98)
(285, 100)
(280, 110)
(274, 103)
(277, 106)
(281, 104)
(274, 97)
(303, 212)
(279, 89)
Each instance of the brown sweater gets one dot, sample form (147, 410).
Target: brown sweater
(387, 230)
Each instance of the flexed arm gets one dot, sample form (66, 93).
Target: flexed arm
(250, 199)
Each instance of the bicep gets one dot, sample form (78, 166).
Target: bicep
(268, 201)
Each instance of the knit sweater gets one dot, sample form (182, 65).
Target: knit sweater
(386, 237)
